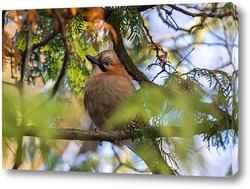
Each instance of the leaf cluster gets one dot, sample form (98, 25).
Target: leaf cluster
(130, 23)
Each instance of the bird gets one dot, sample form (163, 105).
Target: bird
(108, 86)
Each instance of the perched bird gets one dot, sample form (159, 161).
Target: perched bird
(109, 84)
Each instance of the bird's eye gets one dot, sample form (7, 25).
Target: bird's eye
(108, 62)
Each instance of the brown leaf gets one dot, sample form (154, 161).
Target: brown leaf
(95, 18)
(93, 14)
(73, 11)
(32, 17)
(9, 50)
(49, 11)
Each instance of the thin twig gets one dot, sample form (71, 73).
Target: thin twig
(176, 27)
(204, 14)
(184, 58)
(159, 73)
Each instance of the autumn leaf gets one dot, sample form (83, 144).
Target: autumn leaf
(32, 17)
(73, 11)
(9, 50)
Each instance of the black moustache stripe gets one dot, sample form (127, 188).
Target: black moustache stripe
(102, 68)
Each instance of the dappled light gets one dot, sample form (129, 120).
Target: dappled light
(169, 83)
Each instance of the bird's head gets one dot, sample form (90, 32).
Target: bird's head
(106, 62)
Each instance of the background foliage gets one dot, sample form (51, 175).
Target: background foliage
(187, 51)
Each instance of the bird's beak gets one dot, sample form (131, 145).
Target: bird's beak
(95, 62)
(92, 59)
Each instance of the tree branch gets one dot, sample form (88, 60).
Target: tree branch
(176, 27)
(114, 136)
(204, 14)
(126, 60)
(123, 55)
(25, 60)
(3, 19)
(66, 56)
(144, 8)
(45, 41)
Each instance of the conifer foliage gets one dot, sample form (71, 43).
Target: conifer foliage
(183, 57)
